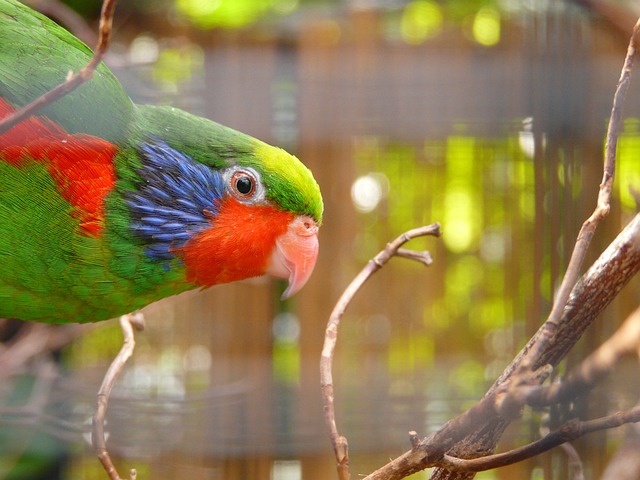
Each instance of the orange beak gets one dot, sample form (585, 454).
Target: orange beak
(295, 254)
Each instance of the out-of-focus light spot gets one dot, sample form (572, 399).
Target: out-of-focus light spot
(527, 143)
(143, 49)
(193, 9)
(629, 163)
(171, 386)
(286, 470)
(486, 26)
(286, 328)
(368, 190)
(459, 233)
(526, 139)
(493, 246)
(197, 358)
(284, 7)
(138, 378)
(286, 349)
(207, 14)
(176, 65)
(421, 19)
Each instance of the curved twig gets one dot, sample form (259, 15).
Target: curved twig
(128, 323)
(340, 445)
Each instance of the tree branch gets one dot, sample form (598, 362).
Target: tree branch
(128, 323)
(571, 430)
(488, 418)
(33, 340)
(340, 444)
(625, 341)
(603, 202)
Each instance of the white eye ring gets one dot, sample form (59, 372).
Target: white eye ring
(244, 184)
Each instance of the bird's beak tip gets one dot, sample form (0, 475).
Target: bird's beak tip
(295, 254)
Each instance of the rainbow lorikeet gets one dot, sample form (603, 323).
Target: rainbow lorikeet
(107, 206)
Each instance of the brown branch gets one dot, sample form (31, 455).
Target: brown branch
(477, 430)
(340, 445)
(603, 203)
(571, 430)
(73, 81)
(128, 323)
(487, 419)
(625, 341)
(35, 339)
(422, 257)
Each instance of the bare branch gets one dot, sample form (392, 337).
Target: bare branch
(575, 462)
(73, 81)
(604, 196)
(35, 339)
(625, 341)
(340, 445)
(571, 430)
(597, 288)
(422, 257)
(128, 323)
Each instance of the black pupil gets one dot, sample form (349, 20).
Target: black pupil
(244, 185)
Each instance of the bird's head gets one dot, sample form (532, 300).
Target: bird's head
(229, 206)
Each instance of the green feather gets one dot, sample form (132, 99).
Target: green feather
(74, 274)
(36, 55)
(289, 183)
(49, 271)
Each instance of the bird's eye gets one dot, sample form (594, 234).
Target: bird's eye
(244, 184)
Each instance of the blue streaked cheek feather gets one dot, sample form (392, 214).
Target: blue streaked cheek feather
(175, 199)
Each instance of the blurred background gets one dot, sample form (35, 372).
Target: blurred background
(487, 116)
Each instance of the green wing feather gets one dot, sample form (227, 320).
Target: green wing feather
(36, 54)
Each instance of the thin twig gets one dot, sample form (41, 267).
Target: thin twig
(479, 428)
(340, 445)
(597, 288)
(35, 339)
(128, 323)
(602, 206)
(569, 431)
(422, 257)
(73, 81)
(575, 462)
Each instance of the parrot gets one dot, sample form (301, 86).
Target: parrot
(107, 206)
